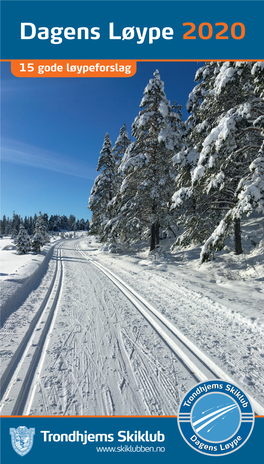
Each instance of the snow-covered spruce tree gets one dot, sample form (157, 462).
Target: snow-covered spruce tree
(199, 123)
(23, 244)
(251, 189)
(122, 143)
(250, 197)
(177, 125)
(258, 73)
(103, 190)
(147, 169)
(232, 148)
(15, 225)
(40, 236)
(87, 225)
(225, 134)
(249, 194)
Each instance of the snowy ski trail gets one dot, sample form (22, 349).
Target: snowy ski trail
(17, 379)
(95, 346)
(208, 367)
(101, 360)
(202, 311)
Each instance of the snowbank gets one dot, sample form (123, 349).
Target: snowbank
(22, 266)
(19, 266)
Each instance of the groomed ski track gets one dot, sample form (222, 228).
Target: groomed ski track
(17, 380)
(96, 347)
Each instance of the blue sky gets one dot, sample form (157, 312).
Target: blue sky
(53, 130)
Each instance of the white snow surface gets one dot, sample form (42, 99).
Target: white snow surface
(15, 265)
(104, 358)
(225, 75)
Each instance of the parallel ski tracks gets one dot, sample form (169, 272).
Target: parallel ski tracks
(18, 381)
(195, 360)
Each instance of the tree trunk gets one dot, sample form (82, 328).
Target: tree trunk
(153, 237)
(157, 233)
(237, 236)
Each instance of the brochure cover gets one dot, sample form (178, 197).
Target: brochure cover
(132, 219)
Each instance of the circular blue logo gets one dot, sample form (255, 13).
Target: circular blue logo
(216, 418)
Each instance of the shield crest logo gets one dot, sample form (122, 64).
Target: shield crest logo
(22, 439)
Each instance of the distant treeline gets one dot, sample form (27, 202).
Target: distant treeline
(54, 223)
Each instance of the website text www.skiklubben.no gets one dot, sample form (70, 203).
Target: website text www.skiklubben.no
(130, 449)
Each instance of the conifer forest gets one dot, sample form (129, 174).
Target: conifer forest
(194, 180)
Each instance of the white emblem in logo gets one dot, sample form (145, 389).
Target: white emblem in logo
(216, 418)
(22, 439)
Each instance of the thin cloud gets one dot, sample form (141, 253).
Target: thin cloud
(27, 155)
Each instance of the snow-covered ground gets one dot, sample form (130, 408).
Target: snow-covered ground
(236, 281)
(218, 305)
(16, 265)
(102, 356)
(11, 262)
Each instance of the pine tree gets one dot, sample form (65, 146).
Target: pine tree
(71, 220)
(177, 125)
(64, 222)
(82, 224)
(26, 223)
(103, 190)
(122, 143)
(34, 221)
(30, 226)
(40, 236)
(147, 168)
(54, 222)
(225, 138)
(15, 225)
(3, 225)
(258, 74)
(8, 227)
(46, 219)
(251, 189)
(23, 240)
